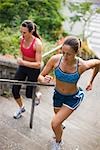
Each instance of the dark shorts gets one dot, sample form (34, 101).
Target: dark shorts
(70, 100)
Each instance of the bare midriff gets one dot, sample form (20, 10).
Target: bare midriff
(66, 88)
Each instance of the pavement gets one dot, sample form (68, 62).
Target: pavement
(82, 127)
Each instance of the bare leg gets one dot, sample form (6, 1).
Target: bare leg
(20, 102)
(61, 114)
(56, 110)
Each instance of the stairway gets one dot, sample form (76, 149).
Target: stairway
(82, 127)
(94, 31)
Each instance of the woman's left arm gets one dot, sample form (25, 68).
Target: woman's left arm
(95, 71)
(95, 65)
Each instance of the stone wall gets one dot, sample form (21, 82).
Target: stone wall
(8, 66)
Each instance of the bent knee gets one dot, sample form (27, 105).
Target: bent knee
(55, 124)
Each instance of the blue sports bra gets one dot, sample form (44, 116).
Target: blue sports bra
(67, 77)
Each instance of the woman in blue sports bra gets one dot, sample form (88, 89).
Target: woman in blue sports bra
(67, 95)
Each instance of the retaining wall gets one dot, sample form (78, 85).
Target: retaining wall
(8, 66)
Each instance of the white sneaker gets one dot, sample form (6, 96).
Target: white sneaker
(19, 112)
(38, 97)
(56, 146)
(63, 126)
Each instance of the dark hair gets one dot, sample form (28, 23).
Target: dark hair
(73, 42)
(31, 27)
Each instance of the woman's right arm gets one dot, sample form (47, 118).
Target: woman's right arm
(44, 76)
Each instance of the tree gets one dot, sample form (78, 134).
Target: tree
(82, 12)
(44, 13)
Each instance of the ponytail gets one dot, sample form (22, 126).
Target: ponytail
(35, 31)
(80, 43)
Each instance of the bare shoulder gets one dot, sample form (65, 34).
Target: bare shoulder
(38, 44)
(81, 65)
(38, 41)
(54, 60)
(56, 57)
(81, 61)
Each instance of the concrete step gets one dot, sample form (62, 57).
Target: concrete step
(95, 18)
(95, 41)
(94, 24)
(97, 47)
(94, 31)
(93, 34)
(11, 139)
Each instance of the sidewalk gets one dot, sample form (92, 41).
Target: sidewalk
(82, 127)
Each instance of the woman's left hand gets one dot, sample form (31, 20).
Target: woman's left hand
(20, 61)
(89, 87)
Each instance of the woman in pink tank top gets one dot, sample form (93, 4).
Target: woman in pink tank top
(29, 62)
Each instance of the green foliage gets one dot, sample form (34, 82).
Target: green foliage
(44, 13)
(9, 10)
(98, 10)
(81, 12)
(80, 8)
(9, 42)
(47, 45)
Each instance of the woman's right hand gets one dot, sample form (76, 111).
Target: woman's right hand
(48, 78)
(45, 79)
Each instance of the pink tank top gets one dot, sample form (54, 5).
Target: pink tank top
(30, 51)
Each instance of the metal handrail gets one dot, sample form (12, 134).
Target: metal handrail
(28, 83)
(51, 51)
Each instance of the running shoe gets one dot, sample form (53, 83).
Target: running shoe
(56, 146)
(37, 99)
(19, 112)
